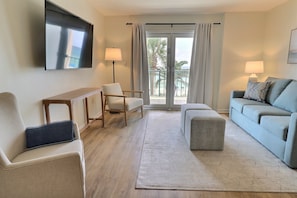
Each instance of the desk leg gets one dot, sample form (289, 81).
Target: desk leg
(47, 114)
(87, 110)
(69, 104)
(102, 108)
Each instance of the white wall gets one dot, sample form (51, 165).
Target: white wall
(22, 59)
(243, 41)
(279, 23)
(246, 36)
(256, 36)
(118, 34)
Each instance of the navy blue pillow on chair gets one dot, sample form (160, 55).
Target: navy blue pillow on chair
(49, 134)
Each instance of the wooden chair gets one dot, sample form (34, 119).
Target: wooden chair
(117, 101)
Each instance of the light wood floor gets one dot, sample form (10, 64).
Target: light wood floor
(112, 158)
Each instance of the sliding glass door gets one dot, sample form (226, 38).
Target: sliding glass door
(169, 58)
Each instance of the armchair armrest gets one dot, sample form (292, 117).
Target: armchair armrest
(112, 95)
(38, 161)
(42, 175)
(133, 92)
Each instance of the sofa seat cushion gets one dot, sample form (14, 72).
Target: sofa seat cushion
(277, 125)
(239, 103)
(254, 112)
(75, 146)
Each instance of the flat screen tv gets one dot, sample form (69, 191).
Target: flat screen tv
(68, 39)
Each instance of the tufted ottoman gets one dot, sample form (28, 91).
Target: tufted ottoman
(204, 130)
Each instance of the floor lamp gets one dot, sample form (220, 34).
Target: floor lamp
(113, 54)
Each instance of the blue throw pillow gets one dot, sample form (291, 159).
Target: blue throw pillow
(49, 134)
(288, 98)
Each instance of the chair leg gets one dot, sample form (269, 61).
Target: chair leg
(104, 109)
(103, 103)
(141, 109)
(125, 114)
(125, 111)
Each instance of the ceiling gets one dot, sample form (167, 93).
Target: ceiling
(158, 7)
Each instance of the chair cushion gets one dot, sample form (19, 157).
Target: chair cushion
(49, 134)
(112, 89)
(288, 98)
(131, 103)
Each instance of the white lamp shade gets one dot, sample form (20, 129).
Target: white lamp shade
(113, 54)
(254, 67)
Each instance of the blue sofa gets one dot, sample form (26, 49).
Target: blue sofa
(273, 122)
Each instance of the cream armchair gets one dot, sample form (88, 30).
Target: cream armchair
(57, 170)
(117, 101)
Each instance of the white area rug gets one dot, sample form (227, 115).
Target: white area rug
(243, 165)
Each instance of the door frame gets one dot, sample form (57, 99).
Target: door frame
(170, 78)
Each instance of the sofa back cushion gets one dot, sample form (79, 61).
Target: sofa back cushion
(276, 88)
(288, 98)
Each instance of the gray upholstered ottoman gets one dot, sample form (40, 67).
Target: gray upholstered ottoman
(190, 106)
(204, 130)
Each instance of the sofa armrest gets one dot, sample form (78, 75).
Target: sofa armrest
(290, 156)
(237, 94)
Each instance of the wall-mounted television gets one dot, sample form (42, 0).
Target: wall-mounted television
(68, 39)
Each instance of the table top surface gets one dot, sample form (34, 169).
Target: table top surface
(74, 95)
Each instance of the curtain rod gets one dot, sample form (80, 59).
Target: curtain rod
(171, 24)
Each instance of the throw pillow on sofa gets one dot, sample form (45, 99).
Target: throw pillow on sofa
(256, 91)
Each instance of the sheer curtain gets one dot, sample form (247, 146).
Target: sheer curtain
(201, 72)
(139, 65)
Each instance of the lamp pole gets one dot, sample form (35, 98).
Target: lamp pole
(113, 71)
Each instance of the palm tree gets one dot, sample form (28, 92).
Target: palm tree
(157, 57)
(157, 62)
(157, 52)
(180, 75)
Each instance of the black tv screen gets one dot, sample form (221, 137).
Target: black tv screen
(68, 39)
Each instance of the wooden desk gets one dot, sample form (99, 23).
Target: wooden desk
(69, 97)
